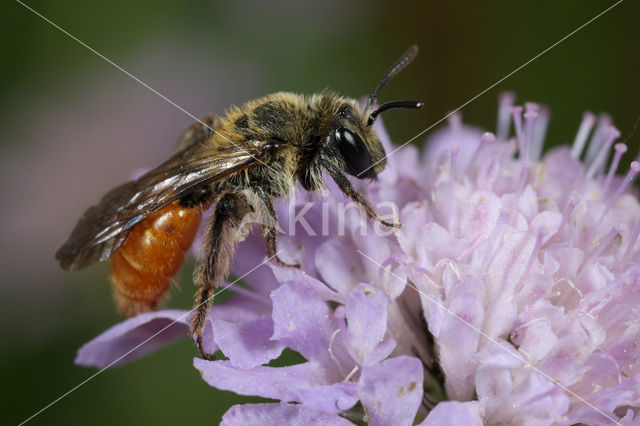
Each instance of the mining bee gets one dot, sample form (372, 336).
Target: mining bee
(240, 163)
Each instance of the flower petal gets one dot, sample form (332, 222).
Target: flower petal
(480, 214)
(301, 321)
(279, 414)
(268, 382)
(457, 135)
(458, 336)
(454, 413)
(535, 401)
(366, 312)
(286, 274)
(134, 338)
(339, 266)
(249, 264)
(334, 398)
(306, 383)
(392, 390)
(247, 344)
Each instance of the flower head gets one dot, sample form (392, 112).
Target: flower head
(509, 295)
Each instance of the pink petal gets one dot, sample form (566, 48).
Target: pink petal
(339, 267)
(454, 413)
(392, 390)
(134, 338)
(306, 383)
(279, 414)
(247, 344)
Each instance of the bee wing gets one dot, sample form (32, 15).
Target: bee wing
(104, 226)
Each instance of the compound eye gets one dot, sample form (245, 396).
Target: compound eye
(355, 154)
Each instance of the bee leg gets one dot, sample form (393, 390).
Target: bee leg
(214, 266)
(269, 230)
(203, 299)
(269, 233)
(346, 187)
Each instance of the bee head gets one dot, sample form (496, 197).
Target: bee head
(354, 137)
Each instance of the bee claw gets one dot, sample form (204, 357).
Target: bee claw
(392, 224)
(288, 265)
(205, 355)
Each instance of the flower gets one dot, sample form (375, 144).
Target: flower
(509, 295)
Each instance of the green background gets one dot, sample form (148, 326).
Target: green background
(72, 126)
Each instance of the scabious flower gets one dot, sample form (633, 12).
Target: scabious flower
(510, 294)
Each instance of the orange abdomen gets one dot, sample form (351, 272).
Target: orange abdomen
(141, 270)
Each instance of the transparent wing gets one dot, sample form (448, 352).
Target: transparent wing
(104, 227)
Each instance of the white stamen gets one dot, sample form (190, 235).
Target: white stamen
(632, 239)
(635, 168)
(620, 149)
(610, 135)
(571, 284)
(529, 118)
(351, 373)
(516, 112)
(504, 115)
(603, 245)
(539, 132)
(455, 122)
(488, 254)
(453, 156)
(531, 107)
(588, 120)
(331, 354)
(486, 138)
(265, 300)
(524, 176)
(572, 203)
(597, 138)
(533, 257)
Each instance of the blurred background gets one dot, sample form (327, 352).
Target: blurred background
(73, 126)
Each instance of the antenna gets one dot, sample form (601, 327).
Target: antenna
(404, 60)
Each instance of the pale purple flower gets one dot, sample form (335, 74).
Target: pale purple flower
(510, 295)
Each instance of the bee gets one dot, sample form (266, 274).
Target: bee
(238, 162)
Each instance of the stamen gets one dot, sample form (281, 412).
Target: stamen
(453, 156)
(504, 115)
(572, 285)
(610, 135)
(620, 149)
(635, 168)
(603, 245)
(539, 133)
(331, 354)
(530, 118)
(632, 239)
(488, 254)
(531, 107)
(486, 138)
(588, 120)
(597, 138)
(572, 203)
(455, 121)
(265, 300)
(516, 112)
(530, 323)
(524, 176)
(533, 257)
(351, 373)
